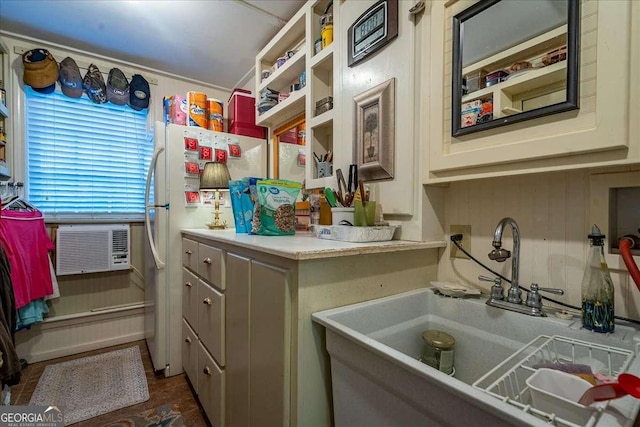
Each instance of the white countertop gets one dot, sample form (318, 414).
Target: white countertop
(304, 245)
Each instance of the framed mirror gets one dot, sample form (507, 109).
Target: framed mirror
(514, 60)
(289, 153)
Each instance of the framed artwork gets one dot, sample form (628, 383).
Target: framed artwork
(375, 130)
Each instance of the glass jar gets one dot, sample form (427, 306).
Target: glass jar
(438, 350)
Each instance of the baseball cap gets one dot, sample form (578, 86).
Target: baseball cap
(70, 78)
(40, 70)
(117, 87)
(93, 84)
(139, 93)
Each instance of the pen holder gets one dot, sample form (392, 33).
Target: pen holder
(324, 169)
(364, 215)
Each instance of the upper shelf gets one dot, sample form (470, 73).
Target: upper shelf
(290, 35)
(323, 59)
(287, 74)
(285, 110)
(524, 82)
(533, 47)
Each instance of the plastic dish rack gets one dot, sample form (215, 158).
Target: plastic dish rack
(507, 380)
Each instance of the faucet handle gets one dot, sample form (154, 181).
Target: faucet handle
(497, 292)
(535, 300)
(496, 280)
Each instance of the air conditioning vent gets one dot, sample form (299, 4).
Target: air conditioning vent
(84, 249)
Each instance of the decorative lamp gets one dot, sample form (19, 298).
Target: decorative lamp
(215, 176)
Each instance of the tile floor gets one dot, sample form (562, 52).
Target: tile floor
(162, 391)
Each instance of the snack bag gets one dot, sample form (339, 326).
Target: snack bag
(242, 208)
(277, 212)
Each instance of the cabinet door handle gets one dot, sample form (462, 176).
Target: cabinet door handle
(188, 284)
(188, 252)
(207, 261)
(207, 301)
(207, 370)
(187, 340)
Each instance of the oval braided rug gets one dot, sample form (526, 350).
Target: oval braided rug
(94, 385)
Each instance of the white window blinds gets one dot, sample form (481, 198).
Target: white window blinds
(85, 159)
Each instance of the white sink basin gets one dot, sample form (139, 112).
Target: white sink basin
(378, 379)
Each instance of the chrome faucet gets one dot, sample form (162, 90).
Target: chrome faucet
(533, 305)
(501, 255)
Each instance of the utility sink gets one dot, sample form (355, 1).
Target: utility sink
(378, 380)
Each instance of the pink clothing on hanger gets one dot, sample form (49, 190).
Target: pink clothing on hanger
(27, 244)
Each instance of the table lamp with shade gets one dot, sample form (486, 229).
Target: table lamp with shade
(215, 176)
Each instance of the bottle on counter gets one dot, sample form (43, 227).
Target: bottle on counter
(597, 288)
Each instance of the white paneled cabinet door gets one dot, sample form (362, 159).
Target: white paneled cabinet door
(211, 387)
(190, 354)
(270, 338)
(238, 346)
(599, 133)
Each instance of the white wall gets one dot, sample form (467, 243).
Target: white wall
(553, 214)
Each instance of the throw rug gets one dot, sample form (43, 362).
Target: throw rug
(164, 416)
(94, 385)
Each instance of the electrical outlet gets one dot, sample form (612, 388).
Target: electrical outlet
(465, 230)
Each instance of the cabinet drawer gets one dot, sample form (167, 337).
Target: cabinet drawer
(210, 387)
(210, 265)
(190, 354)
(190, 302)
(190, 254)
(211, 320)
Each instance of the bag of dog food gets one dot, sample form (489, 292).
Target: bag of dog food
(276, 205)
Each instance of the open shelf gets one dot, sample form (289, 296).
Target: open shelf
(286, 39)
(285, 110)
(287, 74)
(322, 119)
(323, 60)
(523, 83)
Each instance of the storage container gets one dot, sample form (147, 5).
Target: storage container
(242, 107)
(254, 131)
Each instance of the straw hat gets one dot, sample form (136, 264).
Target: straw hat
(40, 70)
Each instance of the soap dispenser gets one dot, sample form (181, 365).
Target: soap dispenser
(597, 288)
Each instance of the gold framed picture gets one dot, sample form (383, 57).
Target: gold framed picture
(374, 131)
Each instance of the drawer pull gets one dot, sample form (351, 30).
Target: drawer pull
(188, 284)
(207, 370)
(207, 261)
(187, 340)
(188, 252)
(207, 301)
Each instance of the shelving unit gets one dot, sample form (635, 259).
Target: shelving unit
(525, 90)
(299, 34)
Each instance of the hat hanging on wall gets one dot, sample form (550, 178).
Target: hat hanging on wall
(139, 93)
(40, 70)
(117, 87)
(93, 84)
(70, 78)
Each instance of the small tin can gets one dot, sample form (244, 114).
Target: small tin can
(438, 350)
(317, 46)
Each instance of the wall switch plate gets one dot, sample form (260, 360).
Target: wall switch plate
(465, 230)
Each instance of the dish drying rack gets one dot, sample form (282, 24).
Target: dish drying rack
(507, 380)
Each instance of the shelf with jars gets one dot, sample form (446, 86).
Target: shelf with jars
(295, 75)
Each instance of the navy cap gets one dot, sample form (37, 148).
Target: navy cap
(139, 93)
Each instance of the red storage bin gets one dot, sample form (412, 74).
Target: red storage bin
(242, 107)
(246, 130)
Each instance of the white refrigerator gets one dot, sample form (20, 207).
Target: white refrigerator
(171, 210)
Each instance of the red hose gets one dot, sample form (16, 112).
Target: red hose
(625, 251)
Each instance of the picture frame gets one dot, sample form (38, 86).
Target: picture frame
(374, 131)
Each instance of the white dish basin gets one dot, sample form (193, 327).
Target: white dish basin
(378, 379)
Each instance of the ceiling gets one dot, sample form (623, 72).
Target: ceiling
(212, 41)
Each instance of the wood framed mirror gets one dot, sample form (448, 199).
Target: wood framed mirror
(514, 60)
(289, 151)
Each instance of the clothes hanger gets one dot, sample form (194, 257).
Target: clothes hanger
(19, 203)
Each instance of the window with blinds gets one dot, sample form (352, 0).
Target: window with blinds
(85, 159)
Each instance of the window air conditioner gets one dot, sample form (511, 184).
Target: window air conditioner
(84, 249)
